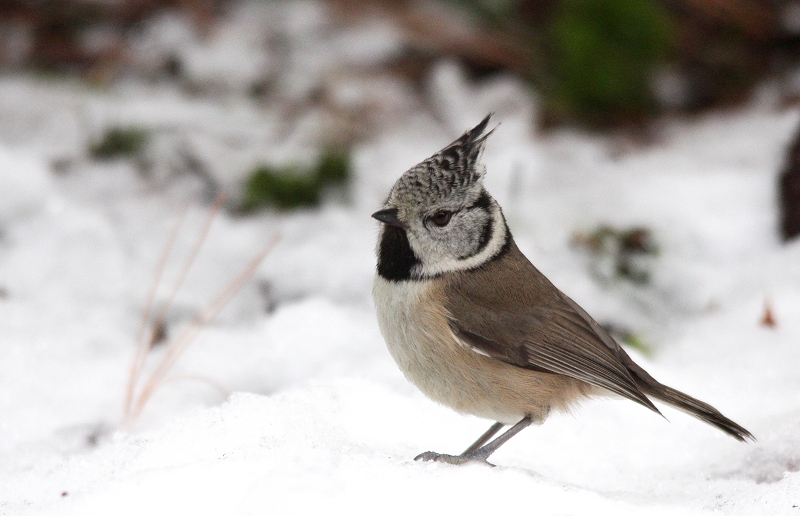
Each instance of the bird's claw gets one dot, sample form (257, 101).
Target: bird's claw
(453, 459)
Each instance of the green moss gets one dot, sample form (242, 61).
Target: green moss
(333, 166)
(283, 188)
(120, 142)
(294, 186)
(604, 55)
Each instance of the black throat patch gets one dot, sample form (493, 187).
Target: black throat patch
(395, 257)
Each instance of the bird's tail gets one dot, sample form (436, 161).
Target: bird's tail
(684, 402)
(700, 410)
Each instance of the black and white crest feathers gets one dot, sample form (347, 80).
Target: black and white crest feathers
(453, 170)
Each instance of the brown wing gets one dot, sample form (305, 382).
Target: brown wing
(508, 310)
(652, 387)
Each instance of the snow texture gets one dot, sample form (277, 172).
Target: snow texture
(289, 402)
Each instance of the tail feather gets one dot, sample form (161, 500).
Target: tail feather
(684, 402)
(698, 409)
(649, 385)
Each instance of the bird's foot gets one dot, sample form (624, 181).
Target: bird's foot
(464, 458)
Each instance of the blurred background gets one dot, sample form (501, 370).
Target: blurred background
(613, 66)
(593, 62)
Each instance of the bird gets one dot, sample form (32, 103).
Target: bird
(475, 326)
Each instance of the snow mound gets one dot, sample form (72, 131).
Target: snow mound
(302, 452)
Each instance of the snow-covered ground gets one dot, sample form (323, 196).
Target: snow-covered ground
(299, 409)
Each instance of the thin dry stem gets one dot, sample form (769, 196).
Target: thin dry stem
(142, 346)
(201, 238)
(179, 344)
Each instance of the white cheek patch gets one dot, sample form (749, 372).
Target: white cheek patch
(443, 264)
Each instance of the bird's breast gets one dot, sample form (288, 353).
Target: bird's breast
(415, 325)
(409, 321)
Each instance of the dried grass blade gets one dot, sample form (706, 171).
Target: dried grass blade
(177, 346)
(142, 345)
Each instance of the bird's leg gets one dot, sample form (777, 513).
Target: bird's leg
(484, 438)
(483, 452)
(479, 452)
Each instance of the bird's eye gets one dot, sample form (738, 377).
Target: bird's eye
(441, 218)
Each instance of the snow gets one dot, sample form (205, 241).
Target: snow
(27, 184)
(289, 403)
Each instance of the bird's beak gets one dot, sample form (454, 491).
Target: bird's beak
(388, 216)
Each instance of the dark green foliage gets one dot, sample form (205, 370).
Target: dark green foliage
(333, 166)
(283, 188)
(294, 187)
(120, 142)
(592, 62)
(627, 250)
(604, 55)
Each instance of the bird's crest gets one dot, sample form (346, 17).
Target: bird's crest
(453, 170)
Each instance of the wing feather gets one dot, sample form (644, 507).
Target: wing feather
(509, 311)
(531, 324)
